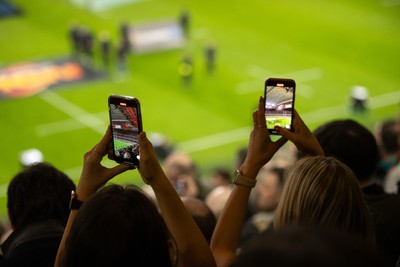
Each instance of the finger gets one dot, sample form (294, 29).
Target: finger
(143, 141)
(103, 144)
(114, 171)
(285, 133)
(261, 113)
(255, 118)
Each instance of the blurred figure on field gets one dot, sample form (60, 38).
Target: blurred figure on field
(185, 70)
(74, 38)
(125, 43)
(359, 99)
(121, 64)
(264, 199)
(210, 52)
(184, 22)
(105, 49)
(202, 215)
(356, 146)
(38, 207)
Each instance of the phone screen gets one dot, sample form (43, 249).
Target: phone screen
(279, 103)
(126, 124)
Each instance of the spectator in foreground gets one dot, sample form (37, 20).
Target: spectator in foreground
(37, 203)
(355, 146)
(319, 192)
(118, 226)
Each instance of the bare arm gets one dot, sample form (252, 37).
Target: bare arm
(260, 150)
(227, 232)
(193, 248)
(93, 177)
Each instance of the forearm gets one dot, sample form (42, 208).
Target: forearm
(228, 229)
(192, 246)
(83, 193)
(67, 229)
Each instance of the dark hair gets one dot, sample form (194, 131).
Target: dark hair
(389, 136)
(37, 193)
(351, 143)
(223, 173)
(116, 226)
(296, 247)
(202, 215)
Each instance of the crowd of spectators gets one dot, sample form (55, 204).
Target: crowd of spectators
(310, 198)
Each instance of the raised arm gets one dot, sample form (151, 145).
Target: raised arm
(93, 177)
(193, 249)
(260, 150)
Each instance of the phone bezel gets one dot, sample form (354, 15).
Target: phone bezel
(130, 102)
(287, 83)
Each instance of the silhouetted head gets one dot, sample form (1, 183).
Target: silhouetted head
(296, 247)
(352, 144)
(118, 226)
(202, 215)
(39, 192)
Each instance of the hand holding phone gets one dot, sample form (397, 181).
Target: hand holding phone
(126, 125)
(279, 95)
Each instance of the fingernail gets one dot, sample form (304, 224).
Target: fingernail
(261, 99)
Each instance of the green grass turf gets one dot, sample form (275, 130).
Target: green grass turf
(272, 122)
(326, 46)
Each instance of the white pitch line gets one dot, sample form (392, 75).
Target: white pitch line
(240, 134)
(66, 125)
(261, 74)
(74, 111)
(215, 140)
(231, 136)
(320, 115)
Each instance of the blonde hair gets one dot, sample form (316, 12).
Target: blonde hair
(322, 192)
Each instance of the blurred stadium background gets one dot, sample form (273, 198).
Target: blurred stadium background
(326, 46)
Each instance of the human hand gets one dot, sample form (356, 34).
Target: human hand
(94, 175)
(149, 168)
(302, 137)
(261, 148)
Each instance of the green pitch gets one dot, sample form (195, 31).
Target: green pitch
(326, 46)
(271, 123)
(120, 144)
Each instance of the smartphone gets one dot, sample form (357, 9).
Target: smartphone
(279, 95)
(126, 125)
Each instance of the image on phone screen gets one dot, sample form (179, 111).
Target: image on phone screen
(125, 132)
(279, 104)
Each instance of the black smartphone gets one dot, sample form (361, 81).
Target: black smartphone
(279, 95)
(126, 125)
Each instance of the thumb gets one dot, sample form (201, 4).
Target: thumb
(114, 171)
(284, 133)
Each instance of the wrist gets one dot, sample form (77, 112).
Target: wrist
(75, 203)
(240, 179)
(249, 170)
